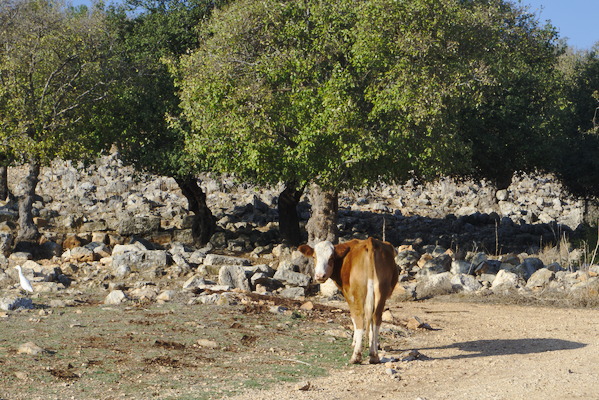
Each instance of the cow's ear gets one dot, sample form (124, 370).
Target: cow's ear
(306, 250)
(341, 250)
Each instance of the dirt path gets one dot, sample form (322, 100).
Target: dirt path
(477, 351)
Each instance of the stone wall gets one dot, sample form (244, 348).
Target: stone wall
(109, 197)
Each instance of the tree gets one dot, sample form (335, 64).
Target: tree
(53, 68)
(267, 97)
(345, 93)
(578, 158)
(151, 32)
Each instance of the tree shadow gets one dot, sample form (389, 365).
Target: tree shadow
(505, 347)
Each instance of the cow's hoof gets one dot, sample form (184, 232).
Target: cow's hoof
(374, 360)
(356, 359)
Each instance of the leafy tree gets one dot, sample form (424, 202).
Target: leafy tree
(345, 93)
(137, 116)
(267, 96)
(581, 70)
(578, 158)
(53, 63)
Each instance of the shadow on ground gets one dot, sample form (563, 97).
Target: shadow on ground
(489, 348)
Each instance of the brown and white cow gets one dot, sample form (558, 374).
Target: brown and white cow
(366, 274)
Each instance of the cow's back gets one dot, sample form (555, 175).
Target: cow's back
(368, 259)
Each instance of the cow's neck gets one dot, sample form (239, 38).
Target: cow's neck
(336, 275)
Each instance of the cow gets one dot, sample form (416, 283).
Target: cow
(366, 274)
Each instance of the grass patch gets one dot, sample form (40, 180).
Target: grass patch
(153, 351)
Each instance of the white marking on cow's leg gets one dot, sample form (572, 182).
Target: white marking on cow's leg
(356, 357)
(353, 342)
(374, 343)
(368, 316)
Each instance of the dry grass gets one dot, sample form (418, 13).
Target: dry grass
(98, 352)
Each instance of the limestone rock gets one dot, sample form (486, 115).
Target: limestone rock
(461, 267)
(505, 281)
(293, 292)
(329, 288)
(195, 282)
(30, 348)
(233, 276)
(8, 303)
(292, 278)
(540, 279)
(217, 259)
(115, 297)
(166, 295)
(465, 283)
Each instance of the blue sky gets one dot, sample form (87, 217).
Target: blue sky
(576, 20)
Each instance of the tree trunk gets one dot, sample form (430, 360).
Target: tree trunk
(4, 192)
(322, 224)
(289, 226)
(204, 223)
(27, 230)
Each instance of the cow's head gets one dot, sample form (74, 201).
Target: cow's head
(324, 254)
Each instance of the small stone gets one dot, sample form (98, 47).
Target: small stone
(56, 303)
(392, 373)
(30, 348)
(329, 288)
(211, 344)
(411, 356)
(307, 306)
(194, 282)
(414, 323)
(303, 386)
(339, 333)
(167, 295)
(115, 297)
(387, 316)
(21, 375)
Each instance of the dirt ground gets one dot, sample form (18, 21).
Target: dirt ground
(179, 350)
(474, 351)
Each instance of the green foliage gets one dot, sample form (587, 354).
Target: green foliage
(344, 93)
(581, 70)
(150, 32)
(578, 146)
(53, 63)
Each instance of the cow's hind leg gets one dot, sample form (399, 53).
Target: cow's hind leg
(375, 326)
(374, 343)
(358, 319)
(356, 357)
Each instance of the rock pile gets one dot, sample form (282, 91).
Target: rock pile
(433, 270)
(106, 226)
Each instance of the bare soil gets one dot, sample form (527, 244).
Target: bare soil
(474, 351)
(471, 351)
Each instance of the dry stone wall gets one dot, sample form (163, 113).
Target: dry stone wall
(109, 197)
(105, 226)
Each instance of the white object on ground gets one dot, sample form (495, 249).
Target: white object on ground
(24, 281)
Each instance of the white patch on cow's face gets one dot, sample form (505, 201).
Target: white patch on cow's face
(323, 260)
